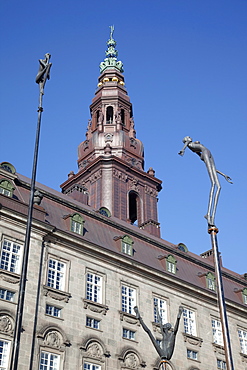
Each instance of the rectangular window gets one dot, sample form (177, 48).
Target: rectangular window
(90, 366)
(7, 295)
(128, 299)
(53, 311)
(129, 334)
(76, 227)
(127, 248)
(189, 322)
(94, 287)
(243, 340)
(160, 306)
(5, 192)
(221, 364)
(193, 355)
(92, 323)
(217, 332)
(56, 274)
(171, 267)
(49, 361)
(4, 354)
(10, 256)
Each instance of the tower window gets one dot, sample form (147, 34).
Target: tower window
(133, 198)
(109, 115)
(122, 117)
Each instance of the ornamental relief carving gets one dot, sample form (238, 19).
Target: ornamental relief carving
(134, 185)
(53, 339)
(95, 307)
(131, 361)
(130, 319)
(120, 175)
(195, 341)
(6, 324)
(8, 277)
(152, 192)
(94, 350)
(58, 295)
(95, 176)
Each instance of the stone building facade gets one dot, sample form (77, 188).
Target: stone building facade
(96, 252)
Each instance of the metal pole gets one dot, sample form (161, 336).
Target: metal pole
(45, 69)
(221, 299)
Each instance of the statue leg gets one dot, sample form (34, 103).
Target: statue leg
(210, 169)
(216, 197)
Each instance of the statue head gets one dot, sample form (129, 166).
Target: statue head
(167, 327)
(187, 139)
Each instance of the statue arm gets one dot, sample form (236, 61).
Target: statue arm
(225, 176)
(184, 147)
(138, 316)
(178, 319)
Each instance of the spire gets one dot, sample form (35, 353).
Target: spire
(111, 55)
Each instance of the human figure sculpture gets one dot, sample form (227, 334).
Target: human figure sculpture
(165, 350)
(207, 158)
(44, 71)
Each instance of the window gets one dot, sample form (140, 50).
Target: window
(104, 212)
(160, 306)
(53, 311)
(4, 354)
(128, 299)
(77, 224)
(128, 334)
(56, 274)
(243, 340)
(6, 188)
(245, 295)
(92, 323)
(171, 264)
(189, 322)
(89, 366)
(10, 256)
(49, 361)
(127, 247)
(94, 287)
(217, 332)
(210, 279)
(193, 355)
(7, 295)
(109, 115)
(221, 364)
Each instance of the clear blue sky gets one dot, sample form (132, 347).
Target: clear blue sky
(185, 68)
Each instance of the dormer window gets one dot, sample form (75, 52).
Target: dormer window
(210, 279)
(76, 224)
(6, 188)
(244, 295)
(171, 264)
(127, 245)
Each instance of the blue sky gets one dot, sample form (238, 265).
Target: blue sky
(185, 71)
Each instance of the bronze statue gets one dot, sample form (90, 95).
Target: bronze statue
(44, 71)
(165, 350)
(207, 157)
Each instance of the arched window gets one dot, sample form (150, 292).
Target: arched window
(109, 115)
(76, 224)
(171, 264)
(127, 245)
(134, 207)
(6, 188)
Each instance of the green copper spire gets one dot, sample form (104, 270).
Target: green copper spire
(111, 55)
